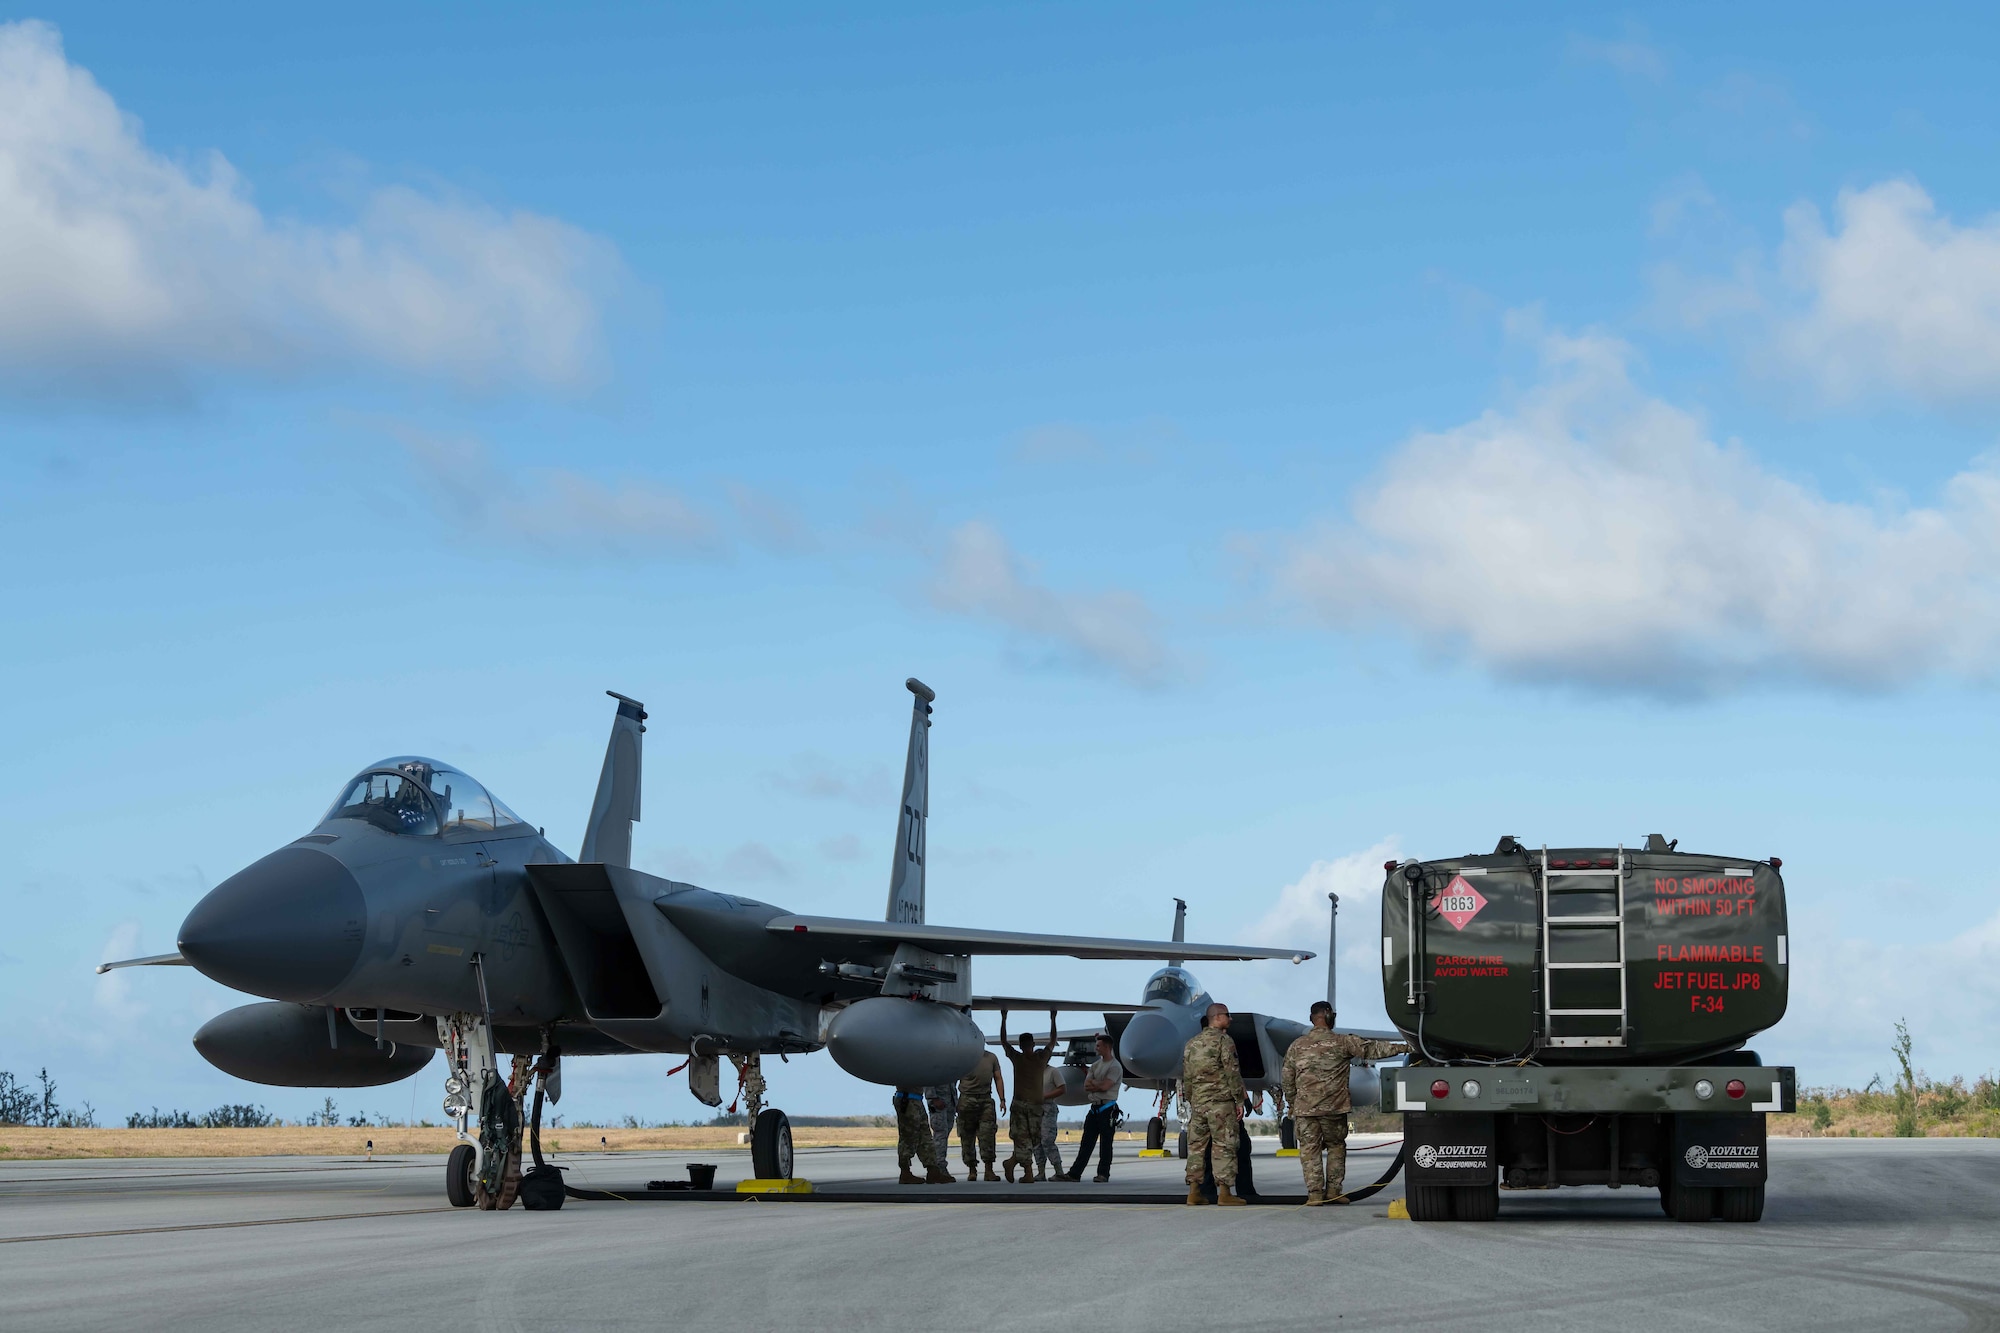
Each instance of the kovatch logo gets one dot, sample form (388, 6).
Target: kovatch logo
(1450, 1156)
(1725, 1157)
(1460, 903)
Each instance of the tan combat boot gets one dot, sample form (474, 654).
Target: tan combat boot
(909, 1177)
(1314, 1198)
(989, 1172)
(1224, 1197)
(1195, 1196)
(937, 1175)
(1008, 1167)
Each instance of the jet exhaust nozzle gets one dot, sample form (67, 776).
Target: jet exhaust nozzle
(904, 1043)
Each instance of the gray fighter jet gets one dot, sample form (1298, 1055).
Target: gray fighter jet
(422, 914)
(1151, 1035)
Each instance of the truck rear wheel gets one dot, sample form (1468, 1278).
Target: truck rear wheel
(1742, 1203)
(1476, 1203)
(1694, 1203)
(1429, 1203)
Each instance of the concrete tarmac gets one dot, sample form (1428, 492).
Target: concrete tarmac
(1858, 1234)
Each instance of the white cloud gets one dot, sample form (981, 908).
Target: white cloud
(1894, 297)
(979, 575)
(554, 509)
(1847, 993)
(1297, 919)
(122, 267)
(1593, 534)
(815, 777)
(1632, 57)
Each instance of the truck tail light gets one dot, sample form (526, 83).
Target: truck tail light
(1442, 1089)
(1734, 1087)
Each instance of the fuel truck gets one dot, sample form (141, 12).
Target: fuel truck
(1580, 1017)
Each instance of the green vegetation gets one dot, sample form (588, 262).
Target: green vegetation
(37, 1106)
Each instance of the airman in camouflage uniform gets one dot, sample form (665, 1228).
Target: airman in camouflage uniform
(941, 1101)
(1213, 1082)
(1315, 1082)
(913, 1139)
(977, 1122)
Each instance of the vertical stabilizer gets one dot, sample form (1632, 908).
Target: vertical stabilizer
(608, 836)
(1180, 927)
(1332, 949)
(906, 874)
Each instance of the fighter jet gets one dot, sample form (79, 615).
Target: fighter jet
(1150, 1036)
(425, 914)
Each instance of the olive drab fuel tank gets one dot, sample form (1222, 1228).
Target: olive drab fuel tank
(1600, 955)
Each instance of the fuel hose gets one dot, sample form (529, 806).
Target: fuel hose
(1368, 1191)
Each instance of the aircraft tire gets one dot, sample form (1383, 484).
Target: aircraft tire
(1742, 1203)
(1288, 1133)
(1156, 1133)
(1694, 1203)
(458, 1176)
(771, 1146)
(1476, 1203)
(1429, 1203)
(1181, 1147)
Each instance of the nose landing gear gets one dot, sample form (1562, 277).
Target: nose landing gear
(483, 1171)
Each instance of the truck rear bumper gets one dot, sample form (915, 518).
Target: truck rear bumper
(1591, 1089)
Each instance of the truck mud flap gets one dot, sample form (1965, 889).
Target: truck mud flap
(1449, 1148)
(1719, 1150)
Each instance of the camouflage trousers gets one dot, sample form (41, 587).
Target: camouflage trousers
(913, 1132)
(1046, 1156)
(1211, 1131)
(943, 1113)
(1024, 1127)
(977, 1125)
(1322, 1134)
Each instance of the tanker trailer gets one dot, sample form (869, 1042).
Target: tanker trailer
(1580, 1017)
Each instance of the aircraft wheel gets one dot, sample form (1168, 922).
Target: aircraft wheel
(1156, 1134)
(1181, 1147)
(1288, 1134)
(771, 1146)
(458, 1176)
(1693, 1203)
(1742, 1203)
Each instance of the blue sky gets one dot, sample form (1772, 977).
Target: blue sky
(1283, 440)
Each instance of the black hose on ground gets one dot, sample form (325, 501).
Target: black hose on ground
(1366, 1191)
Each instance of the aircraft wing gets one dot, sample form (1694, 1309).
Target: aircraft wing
(884, 936)
(156, 960)
(1029, 1004)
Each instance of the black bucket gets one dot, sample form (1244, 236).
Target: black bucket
(701, 1175)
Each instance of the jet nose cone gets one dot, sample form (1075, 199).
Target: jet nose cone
(1151, 1046)
(288, 927)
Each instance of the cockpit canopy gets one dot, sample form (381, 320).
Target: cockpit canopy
(1173, 985)
(411, 794)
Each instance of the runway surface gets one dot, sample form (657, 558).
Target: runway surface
(1857, 1234)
